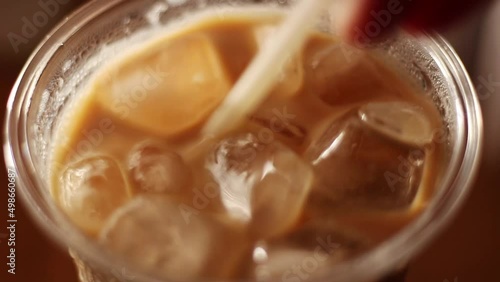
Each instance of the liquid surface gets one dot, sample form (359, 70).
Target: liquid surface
(333, 163)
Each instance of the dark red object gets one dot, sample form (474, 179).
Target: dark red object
(376, 18)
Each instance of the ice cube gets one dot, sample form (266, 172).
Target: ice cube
(155, 168)
(362, 168)
(168, 88)
(152, 232)
(263, 184)
(290, 122)
(348, 78)
(91, 189)
(401, 121)
(291, 78)
(306, 252)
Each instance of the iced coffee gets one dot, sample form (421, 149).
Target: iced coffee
(333, 163)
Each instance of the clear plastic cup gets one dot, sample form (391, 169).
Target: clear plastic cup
(56, 69)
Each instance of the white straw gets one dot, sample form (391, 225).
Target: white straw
(263, 72)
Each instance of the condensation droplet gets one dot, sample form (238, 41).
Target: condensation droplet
(154, 14)
(259, 255)
(67, 65)
(60, 82)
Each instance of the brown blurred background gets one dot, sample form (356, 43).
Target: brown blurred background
(469, 250)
